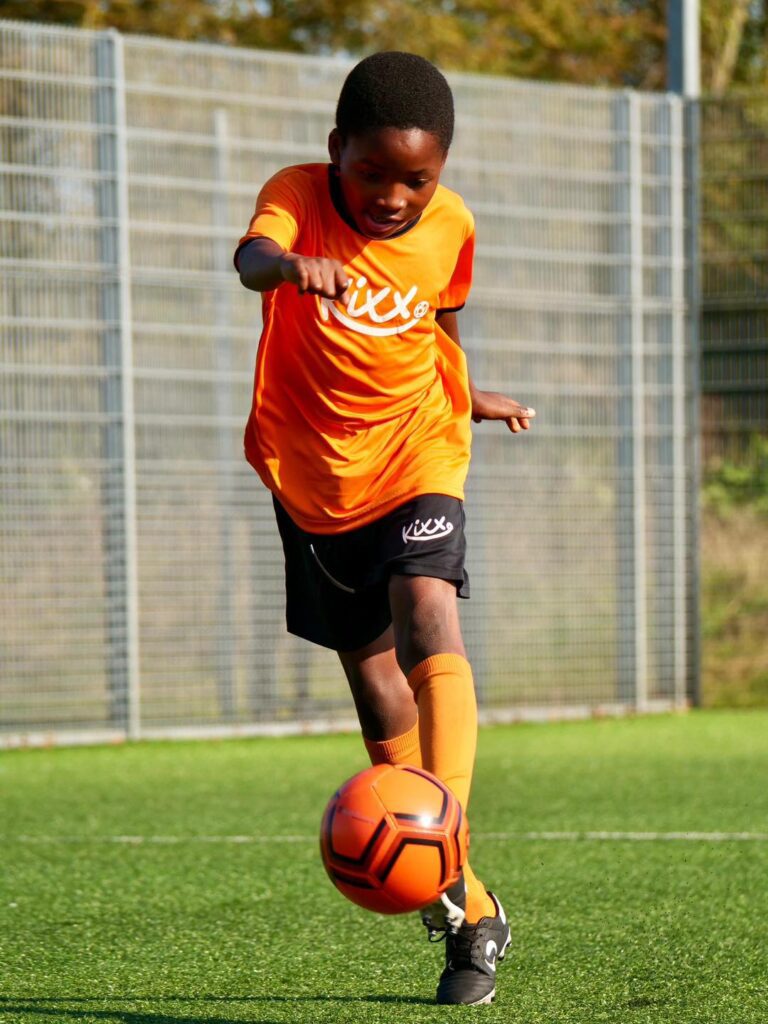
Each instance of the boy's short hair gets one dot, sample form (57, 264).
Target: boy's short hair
(393, 89)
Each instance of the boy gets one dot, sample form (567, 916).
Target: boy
(360, 428)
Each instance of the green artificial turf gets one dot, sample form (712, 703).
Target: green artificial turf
(199, 931)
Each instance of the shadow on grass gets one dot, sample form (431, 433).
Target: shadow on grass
(50, 1006)
(641, 1002)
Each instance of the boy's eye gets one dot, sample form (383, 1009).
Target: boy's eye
(376, 177)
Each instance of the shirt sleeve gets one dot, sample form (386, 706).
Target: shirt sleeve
(280, 209)
(454, 296)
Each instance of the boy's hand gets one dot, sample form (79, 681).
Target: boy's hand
(490, 405)
(316, 275)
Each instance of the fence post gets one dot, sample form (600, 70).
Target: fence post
(121, 571)
(692, 213)
(632, 640)
(679, 393)
(683, 47)
(225, 656)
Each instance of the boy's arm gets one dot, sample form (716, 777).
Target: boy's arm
(488, 405)
(263, 265)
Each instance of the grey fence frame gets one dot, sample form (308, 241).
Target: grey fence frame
(734, 269)
(676, 303)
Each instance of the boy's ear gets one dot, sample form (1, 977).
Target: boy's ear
(335, 146)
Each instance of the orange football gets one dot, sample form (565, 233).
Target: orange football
(393, 838)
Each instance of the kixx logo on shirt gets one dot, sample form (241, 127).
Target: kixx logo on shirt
(428, 529)
(381, 307)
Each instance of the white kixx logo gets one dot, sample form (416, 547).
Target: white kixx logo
(429, 529)
(370, 307)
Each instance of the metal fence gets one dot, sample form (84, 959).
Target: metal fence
(734, 261)
(140, 576)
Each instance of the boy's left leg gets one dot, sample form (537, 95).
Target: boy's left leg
(431, 654)
(343, 592)
(386, 704)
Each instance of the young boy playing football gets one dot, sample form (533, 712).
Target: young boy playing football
(360, 428)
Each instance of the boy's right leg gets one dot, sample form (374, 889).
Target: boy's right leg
(383, 699)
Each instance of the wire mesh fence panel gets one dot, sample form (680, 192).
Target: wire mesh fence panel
(141, 568)
(734, 268)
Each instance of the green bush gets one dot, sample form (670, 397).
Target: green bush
(729, 484)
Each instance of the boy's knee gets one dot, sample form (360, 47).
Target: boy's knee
(426, 620)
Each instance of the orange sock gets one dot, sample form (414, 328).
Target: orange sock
(445, 696)
(479, 903)
(403, 749)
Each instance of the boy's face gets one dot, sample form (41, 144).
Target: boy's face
(387, 176)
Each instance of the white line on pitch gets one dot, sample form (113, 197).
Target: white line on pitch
(634, 837)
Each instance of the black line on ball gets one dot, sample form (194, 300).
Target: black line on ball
(359, 883)
(456, 835)
(353, 861)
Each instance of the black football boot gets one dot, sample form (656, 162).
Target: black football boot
(472, 952)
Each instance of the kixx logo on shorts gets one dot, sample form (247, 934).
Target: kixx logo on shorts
(397, 305)
(428, 529)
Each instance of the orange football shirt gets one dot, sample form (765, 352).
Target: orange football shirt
(359, 408)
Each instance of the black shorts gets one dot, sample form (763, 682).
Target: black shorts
(336, 585)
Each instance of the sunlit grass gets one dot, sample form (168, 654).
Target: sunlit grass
(734, 608)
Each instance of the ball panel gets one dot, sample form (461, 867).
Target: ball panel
(412, 792)
(418, 857)
(354, 815)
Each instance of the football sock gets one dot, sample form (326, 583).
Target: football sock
(403, 749)
(479, 903)
(445, 696)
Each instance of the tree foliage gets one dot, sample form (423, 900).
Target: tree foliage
(595, 42)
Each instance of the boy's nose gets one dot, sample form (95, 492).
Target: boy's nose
(392, 201)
